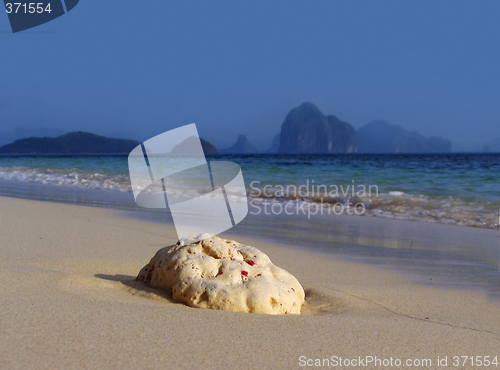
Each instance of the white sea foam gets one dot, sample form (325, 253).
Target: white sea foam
(402, 206)
(391, 204)
(396, 193)
(74, 178)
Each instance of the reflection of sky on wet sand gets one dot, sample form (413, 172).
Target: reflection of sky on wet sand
(432, 253)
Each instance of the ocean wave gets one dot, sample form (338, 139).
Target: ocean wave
(91, 180)
(393, 204)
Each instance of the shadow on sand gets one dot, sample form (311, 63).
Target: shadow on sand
(137, 287)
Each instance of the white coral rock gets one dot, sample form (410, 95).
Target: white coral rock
(223, 275)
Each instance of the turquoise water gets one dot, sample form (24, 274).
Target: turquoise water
(458, 189)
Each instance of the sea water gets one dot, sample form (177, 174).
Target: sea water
(448, 190)
(456, 189)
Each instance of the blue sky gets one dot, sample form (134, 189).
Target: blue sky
(136, 69)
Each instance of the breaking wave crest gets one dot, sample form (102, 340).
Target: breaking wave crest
(91, 180)
(454, 209)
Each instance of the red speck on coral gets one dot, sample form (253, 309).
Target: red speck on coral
(244, 273)
(220, 273)
(232, 259)
(251, 263)
(292, 288)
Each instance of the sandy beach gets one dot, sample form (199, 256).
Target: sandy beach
(69, 301)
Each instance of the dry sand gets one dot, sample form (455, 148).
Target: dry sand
(69, 301)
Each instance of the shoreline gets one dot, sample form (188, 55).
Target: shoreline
(437, 200)
(429, 254)
(70, 300)
(450, 254)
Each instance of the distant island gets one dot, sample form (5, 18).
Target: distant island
(275, 144)
(242, 146)
(383, 137)
(191, 145)
(23, 132)
(80, 142)
(207, 147)
(305, 130)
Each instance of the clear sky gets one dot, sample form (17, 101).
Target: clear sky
(139, 68)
